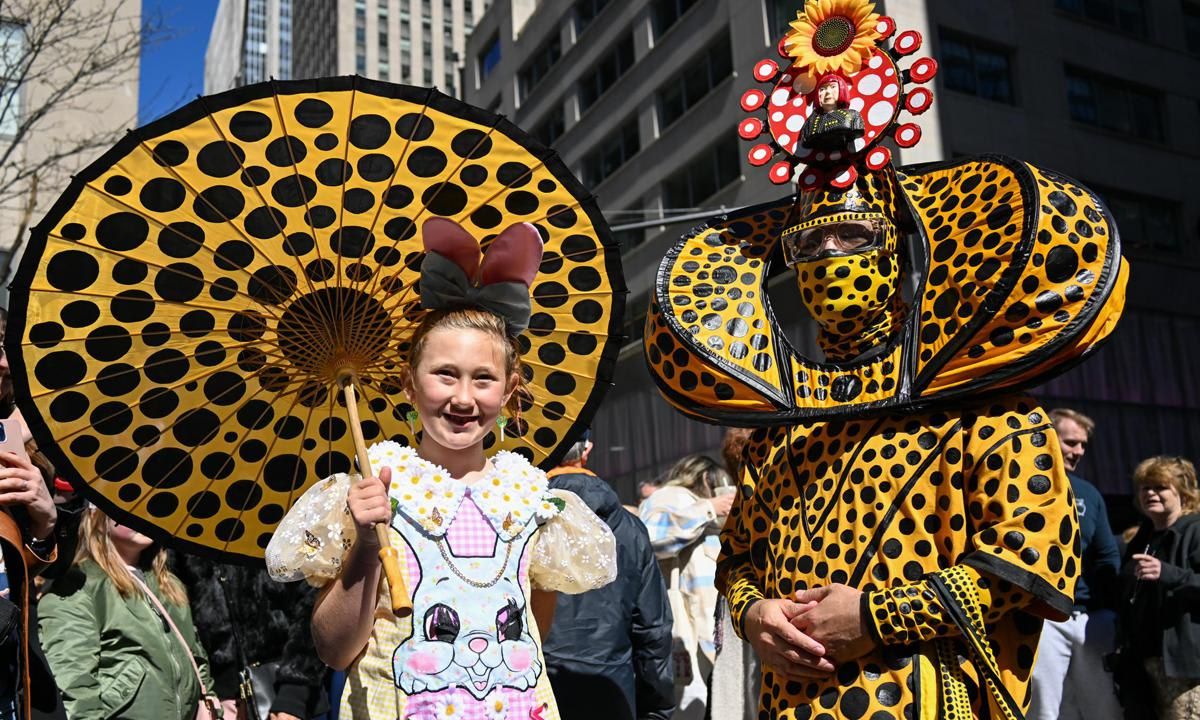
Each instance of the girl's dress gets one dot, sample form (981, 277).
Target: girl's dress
(470, 555)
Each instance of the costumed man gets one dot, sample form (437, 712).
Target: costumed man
(904, 522)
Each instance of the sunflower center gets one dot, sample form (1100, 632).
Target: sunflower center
(833, 35)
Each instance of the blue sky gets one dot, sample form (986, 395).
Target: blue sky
(172, 71)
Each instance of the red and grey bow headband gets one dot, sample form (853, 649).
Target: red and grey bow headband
(456, 274)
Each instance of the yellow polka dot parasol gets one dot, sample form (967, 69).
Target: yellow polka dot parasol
(186, 317)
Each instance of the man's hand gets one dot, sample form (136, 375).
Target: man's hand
(369, 504)
(1146, 567)
(22, 484)
(834, 619)
(769, 629)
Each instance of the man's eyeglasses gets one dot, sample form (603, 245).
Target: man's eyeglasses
(842, 236)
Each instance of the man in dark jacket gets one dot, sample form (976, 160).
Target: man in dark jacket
(245, 619)
(1070, 680)
(608, 653)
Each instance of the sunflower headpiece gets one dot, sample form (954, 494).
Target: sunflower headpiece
(847, 40)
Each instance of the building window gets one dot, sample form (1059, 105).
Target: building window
(489, 57)
(710, 171)
(285, 39)
(1116, 105)
(539, 64)
(1144, 222)
(614, 151)
(12, 51)
(255, 59)
(666, 12)
(360, 37)
(381, 25)
(551, 129)
(781, 14)
(1191, 25)
(1125, 15)
(702, 74)
(585, 12)
(608, 70)
(975, 68)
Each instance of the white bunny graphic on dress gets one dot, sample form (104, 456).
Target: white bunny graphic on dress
(470, 625)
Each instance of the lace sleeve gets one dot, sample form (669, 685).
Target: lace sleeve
(575, 551)
(312, 539)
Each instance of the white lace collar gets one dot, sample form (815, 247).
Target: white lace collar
(510, 494)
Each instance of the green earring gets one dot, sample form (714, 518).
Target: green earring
(411, 418)
(502, 422)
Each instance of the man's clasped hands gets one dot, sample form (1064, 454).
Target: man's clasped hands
(807, 637)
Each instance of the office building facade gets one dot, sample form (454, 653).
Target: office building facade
(640, 98)
(250, 42)
(418, 42)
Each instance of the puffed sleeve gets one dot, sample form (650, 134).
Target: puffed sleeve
(313, 538)
(575, 551)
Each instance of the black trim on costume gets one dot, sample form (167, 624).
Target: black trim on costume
(991, 304)
(1035, 585)
(782, 397)
(1023, 431)
(967, 627)
(206, 107)
(864, 610)
(836, 493)
(885, 522)
(907, 397)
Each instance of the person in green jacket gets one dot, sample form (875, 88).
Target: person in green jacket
(112, 653)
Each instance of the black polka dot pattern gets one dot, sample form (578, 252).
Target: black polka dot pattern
(882, 504)
(1001, 296)
(186, 305)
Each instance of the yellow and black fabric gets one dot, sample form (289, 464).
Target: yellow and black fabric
(181, 315)
(955, 524)
(1020, 275)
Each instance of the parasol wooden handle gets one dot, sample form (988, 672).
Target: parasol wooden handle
(397, 592)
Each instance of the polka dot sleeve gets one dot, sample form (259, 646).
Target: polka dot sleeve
(1023, 531)
(919, 612)
(313, 538)
(738, 576)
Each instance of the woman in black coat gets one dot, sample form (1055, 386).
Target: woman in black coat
(1160, 620)
(246, 619)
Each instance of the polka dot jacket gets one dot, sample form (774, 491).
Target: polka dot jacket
(959, 528)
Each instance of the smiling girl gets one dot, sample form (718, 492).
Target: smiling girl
(483, 542)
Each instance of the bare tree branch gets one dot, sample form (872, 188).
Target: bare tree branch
(66, 55)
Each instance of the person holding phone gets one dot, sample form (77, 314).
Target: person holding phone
(684, 518)
(1160, 608)
(27, 545)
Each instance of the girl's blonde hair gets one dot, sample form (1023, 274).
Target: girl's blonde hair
(699, 474)
(1177, 472)
(97, 546)
(483, 321)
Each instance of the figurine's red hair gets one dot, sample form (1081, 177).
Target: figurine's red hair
(843, 85)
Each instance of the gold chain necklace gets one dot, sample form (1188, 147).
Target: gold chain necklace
(475, 583)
